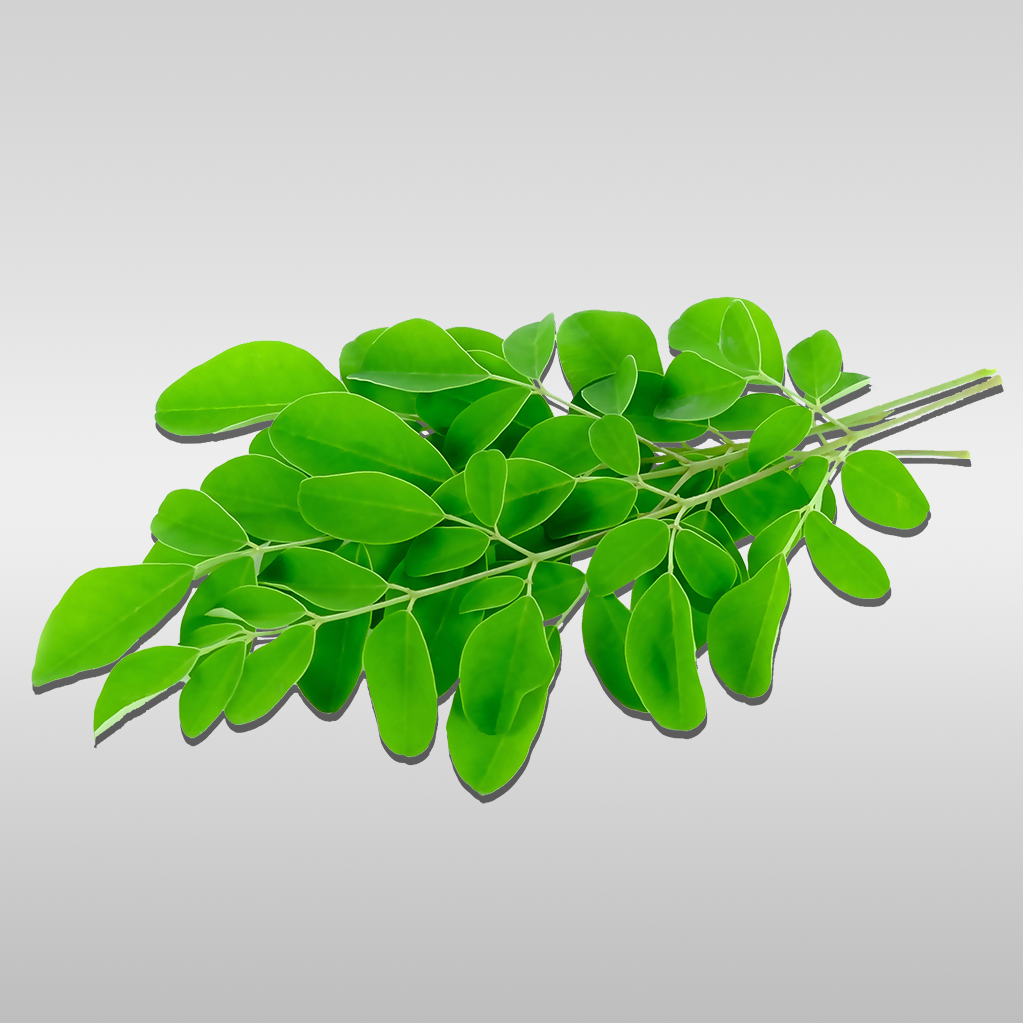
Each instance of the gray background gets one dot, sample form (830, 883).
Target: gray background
(180, 178)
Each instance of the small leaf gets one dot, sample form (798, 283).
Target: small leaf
(593, 505)
(816, 364)
(473, 339)
(534, 491)
(210, 686)
(352, 356)
(486, 476)
(444, 548)
(401, 685)
(739, 339)
(777, 538)
(261, 494)
(102, 614)
(260, 606)
(369, 507)
(336, 663)
(161, 554)
(210, 594)
(810, 474)
(626, 553)
(750, 411)
(756, 505)
(137, 678)
(505, 658)
(743, 630)
(650, 392)
(246, 384)
(481, 423)
(778, 435)
(269, 673)
(661, 656)
(605, 624)
(439, 409)
(326, 579)
(563, 442)
(529, 348)
(488, 593)
(417, 355)
(209, 635)
(844, 561)
(613, 440)
(612, 395)
(706, 565)
(695, 388)
(556, 587)
(711, 524)
(881, 489)
(592, 345)
(445, 630)
(848, 384)
(191, 521)
(262, 445)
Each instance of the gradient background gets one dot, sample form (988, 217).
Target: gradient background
(183, 178)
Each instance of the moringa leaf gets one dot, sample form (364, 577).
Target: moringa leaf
(611, 396)
(593, 343)
(352, 356)
(489, 593)
(262, 445)
(336, 664)
(439, 409)
(473, 339)
(269, 673)
(705, 563)
(259, 606)
(445, 629)
(695, 388)
(563, 442)
(605, 624)
(161, 554)
(210, 594)
(486, 477)
(778, 435)
(810, 474)
(533, 492)
(750, 411)
(711, 524)
(593, 505)
(210, 686)
(191, 521)
(444, 548)
(816, 364)
(777, 538)
(843, 560)
(481, 423)
(328, 580)
(848, 384)
(529, 348)
(881, 489)
(556, 587)
(626, 553)
(758, 504)
(739, 340)
(613, 440)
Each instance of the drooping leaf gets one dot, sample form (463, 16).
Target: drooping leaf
(191, 521)
(756, 505)
(529, 348)
(445, 630)
(695, 388)
(102, 614)
(137, 678)
(605, 624)
(417, 355)
(750, 411)
(261, 494)
(210, 594)
(473, 339)
(401, 684)
(815, 364)
(626, 553)
(329, 434)
(210, 686)
(705, 563)
(556, 587)
(881, 489)
(161, 554)
(488, 593)
(778, 435)
(505, 657)
(269, 673)
(593, 343)
(336, 663)
(777, 538)
(326, 579)
(613, 440)
(259, 606)
(486, 477)
(563, 442)
(743, 630)
(370, 507)
(352, 355)
(481, 423)
(843, 560)
(533, 492)
(444, 548)
(739, 340)
(612, 395)
(247, 384)
(593, 505)
(660, 652)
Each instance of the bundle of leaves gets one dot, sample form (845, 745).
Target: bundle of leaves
(416, 518)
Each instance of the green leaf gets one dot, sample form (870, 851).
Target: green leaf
(777, 538)
(695, 388)
(445, 630)
(704, 562)
(848, 383)
(260, 606)
(336, 663)
(246, 384)
(161, 554)
(329, 434)
(210, 686)
(352, 356)
(881, 489)
(816, 364)
(417, 355)
(209, 635)
(102, 614)
(757, 504)
(261, 494)
(592, 345)
(593, 505)
(605, 624)
(481, 423)
(473, 339)
(650, 391)
(612, 395)
(486, 477)
(370, 507)
(660, 652)
(137, 678)
(739, 340)
(210, 594)
(401, 685)
(563, 442)
(750, 411)
(439, 409)
(191, 521)
(529, 348)
(829, 503)
(269, 672)
(844, 561)
(613, 440)
(488, 593)
(262, 445)
(505, 657)
(326, 579)
(743, 630)
(534, 491)
(556, 587)
(810, 474)
(443, 548)
(451, 497)
(626, 553)
(778, 435)
(711, 524)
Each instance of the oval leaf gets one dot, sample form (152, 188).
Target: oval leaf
(444, 548)
(563, 442)
(210, 594)
(329, 581)
(260, 606)
(529, 348)
(445, 630)
(756, 505)
(593, 343)
(593, 505)
(488, 593)
(613, 394)
(816, 364)
(706, 565)
(626, 553)
(750, 411)
(613, 440)
(605, 624)
(778, 435)
(695, 388)
(844, 561)
(881, 489)
(486, 476)
(556, 587)
(191, 521)
(210, 686)
(269, 673)
(534, 491)
(778, 538)
(739, 340)
(481, 423)
(336, 663)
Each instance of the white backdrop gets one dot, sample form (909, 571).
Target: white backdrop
(181, 178)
